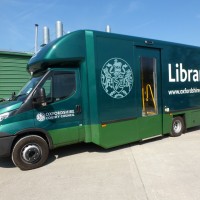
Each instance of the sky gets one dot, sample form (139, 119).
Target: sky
(169, 20)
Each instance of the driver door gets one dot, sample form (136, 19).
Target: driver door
(61, 116)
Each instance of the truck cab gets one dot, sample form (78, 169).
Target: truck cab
(50, 101)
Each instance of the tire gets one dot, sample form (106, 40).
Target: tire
(30, 152)
(178, 126)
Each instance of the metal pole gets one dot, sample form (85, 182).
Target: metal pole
(46, 36)
(36, 38)
(108, 29)
(59, 29)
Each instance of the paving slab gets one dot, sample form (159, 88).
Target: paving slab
(157, 169)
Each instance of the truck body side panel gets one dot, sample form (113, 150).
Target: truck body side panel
(117, 106)
(181, 77)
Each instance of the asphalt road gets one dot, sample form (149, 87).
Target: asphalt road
(164, 168)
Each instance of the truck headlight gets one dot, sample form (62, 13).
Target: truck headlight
(4, 116)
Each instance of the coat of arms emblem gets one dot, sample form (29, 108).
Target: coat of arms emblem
(117, 78)
(40, 117)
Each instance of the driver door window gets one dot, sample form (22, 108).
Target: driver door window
(60, 86)
(64, 86)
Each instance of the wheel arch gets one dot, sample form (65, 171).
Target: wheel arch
(34, 131)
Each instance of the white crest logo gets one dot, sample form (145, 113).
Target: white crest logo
(117, 78)
(40, 117)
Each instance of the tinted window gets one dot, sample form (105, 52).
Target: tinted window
(64, 86)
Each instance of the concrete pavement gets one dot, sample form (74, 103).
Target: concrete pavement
(165, 168)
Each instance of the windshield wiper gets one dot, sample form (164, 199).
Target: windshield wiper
(20, 95)
(2, 99)
(14, 97)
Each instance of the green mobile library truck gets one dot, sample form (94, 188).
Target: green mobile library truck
(104, 88)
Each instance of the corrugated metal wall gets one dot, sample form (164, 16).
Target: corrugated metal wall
(13, 74)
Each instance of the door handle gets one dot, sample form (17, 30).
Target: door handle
(78, 109)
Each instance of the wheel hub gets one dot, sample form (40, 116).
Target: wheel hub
(177, 126)
(31, 153)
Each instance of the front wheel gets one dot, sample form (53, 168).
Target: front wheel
(30, 152)
(178, 126)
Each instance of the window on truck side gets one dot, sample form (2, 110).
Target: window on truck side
(149, 86)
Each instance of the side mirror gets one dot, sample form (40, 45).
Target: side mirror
(39, 97)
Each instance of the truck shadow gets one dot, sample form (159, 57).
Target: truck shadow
(74, 149)
(90, 147)
(6, 163)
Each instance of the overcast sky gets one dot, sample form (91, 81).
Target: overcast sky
(170, 20)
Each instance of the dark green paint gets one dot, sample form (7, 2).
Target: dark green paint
(9, 106)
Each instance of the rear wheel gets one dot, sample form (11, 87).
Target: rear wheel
(178, 126)
(30, 152)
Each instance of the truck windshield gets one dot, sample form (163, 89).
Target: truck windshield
(25, 91)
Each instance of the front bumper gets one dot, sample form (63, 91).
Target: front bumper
(6, 145)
